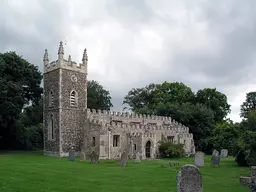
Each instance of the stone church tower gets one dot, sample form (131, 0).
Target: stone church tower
(65, 101)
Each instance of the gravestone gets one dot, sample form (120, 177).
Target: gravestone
(137, 160)
(94, 157)
(224, 153)
(199, 159)
(82, 156)
(215, 160)
(124, 158)
(189, 179)
(125, 154)
(72, 155)
(250, 181)
(215, 152)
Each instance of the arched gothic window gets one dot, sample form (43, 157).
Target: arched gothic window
(50, 128)
(51, 99)
(73, 98)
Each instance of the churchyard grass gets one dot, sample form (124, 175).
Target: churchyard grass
(30, 172)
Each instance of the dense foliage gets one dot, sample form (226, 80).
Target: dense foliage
(225, 136)
(20, 85)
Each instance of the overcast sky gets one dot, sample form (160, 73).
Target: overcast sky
(202, 43)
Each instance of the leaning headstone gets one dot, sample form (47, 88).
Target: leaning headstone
(82, 156)
(215, 152)
(94, 157)
(71, 155)
(199, 159)
(137, 160)
(215, 160)
(250, 181)
(189, 179)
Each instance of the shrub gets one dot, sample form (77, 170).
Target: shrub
(247, 149)
(168, 149)
(241, 158)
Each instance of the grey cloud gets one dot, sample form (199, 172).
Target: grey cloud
(48, 25)
(231, 23)
(131, 13)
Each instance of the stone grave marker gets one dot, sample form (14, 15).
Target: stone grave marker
(224, 153)
(137, 160)
(94, 157)
(250, 181)
(72, 155)
(215, 152)
(124, 158)
(215, 160)
(189, 179)
(125, 154)
(82, 156)
(199, 159)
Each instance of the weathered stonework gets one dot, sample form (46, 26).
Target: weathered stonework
(89, 130)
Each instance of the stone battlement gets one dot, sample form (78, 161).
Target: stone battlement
(65, 64)
(134, 121)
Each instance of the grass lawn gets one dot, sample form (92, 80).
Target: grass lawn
(33, 172)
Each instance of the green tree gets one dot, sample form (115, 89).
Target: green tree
(248, 105)
(250, 122)
(214, 100)
(33, 114)
(20, 85)
(141, 99)
(247, 148)
(97, 96)
(173, 93)
(225, 136)
(144, 100)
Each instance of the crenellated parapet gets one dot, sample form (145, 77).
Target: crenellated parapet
(131, 121)
(61, 62)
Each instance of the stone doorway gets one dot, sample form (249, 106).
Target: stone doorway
(148, 149)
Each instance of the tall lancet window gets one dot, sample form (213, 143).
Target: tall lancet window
(51, 99)
(50, 128)
(73, 99)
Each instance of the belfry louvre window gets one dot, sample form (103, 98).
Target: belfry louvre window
(73, 99)
(116, 140)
